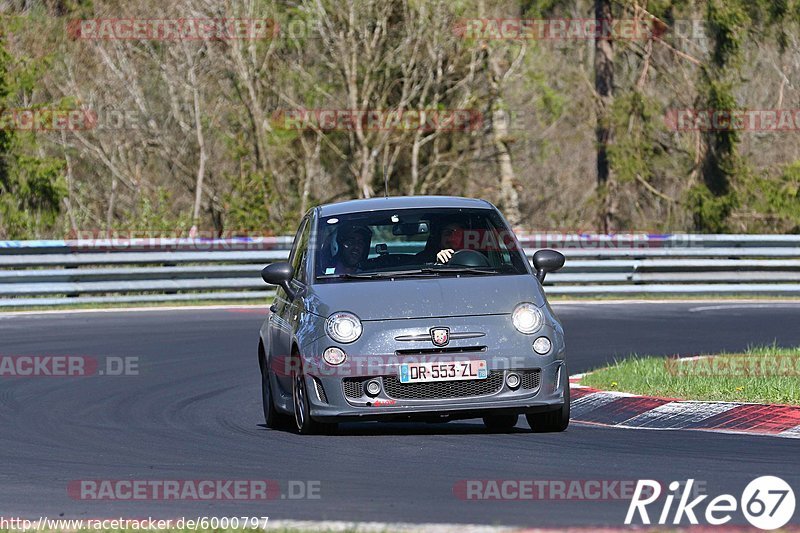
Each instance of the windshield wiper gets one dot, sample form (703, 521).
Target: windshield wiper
(462, 270)
(379, 275)
(423, 272)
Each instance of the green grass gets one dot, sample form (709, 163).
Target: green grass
(759, 375)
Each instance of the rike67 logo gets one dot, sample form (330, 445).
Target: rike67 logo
(767, 502)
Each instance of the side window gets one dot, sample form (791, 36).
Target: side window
(300, 252)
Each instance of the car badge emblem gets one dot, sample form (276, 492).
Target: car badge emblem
(440, 336)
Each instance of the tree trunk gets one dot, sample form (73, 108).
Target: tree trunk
(201, 145)
(509, 198)
(313, 168)
(110, 210)
(604, 85)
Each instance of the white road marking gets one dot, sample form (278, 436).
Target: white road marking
(792, 433)
(586, 404)
(724, 307)
(677, 415)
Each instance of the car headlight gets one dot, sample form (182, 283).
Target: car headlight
(343, 327)
(527, 318)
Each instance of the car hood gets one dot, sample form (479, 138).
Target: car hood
(425, 298)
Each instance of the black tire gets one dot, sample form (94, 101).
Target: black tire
(552, 421)
(304, 424)
(272, 418)
(500, 422)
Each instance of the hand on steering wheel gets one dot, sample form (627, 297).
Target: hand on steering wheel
(445, 255)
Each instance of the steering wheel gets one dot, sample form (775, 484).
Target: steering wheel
(469, 258)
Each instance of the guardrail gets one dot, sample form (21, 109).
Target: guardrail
(46, 273)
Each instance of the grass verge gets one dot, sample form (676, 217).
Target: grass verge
(759, 375)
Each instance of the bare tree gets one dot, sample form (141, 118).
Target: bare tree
(604, 85)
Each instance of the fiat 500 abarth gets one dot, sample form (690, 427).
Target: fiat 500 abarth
(411, 308)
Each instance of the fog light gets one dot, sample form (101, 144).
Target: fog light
(334, 356)
(542, 345)
(373, 387)
(512, 380)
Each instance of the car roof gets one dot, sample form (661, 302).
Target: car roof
(400, 202)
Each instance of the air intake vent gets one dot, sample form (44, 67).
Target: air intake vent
(448, 350)
(531, 379)
(443, 389)
(320, 391)
(353, 387)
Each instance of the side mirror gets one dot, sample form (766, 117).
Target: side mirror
(545, 261)
(279, 274)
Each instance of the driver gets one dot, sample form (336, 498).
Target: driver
(445, 239)
(353, 247)
(450, 240)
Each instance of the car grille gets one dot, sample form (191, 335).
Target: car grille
(354, 387)
(531, 379)
(438, 351)
(443, 389)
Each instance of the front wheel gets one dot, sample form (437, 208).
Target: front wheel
(302, 417)
(552, 421)
(272, 418)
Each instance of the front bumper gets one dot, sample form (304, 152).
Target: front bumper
(329, 401)
(503, 348)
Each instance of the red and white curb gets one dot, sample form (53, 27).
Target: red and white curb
(624, 410)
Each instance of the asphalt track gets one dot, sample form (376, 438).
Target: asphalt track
(194, 412)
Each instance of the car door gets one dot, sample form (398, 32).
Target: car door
(286, 311)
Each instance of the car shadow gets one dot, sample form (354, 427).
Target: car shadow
(364, 429)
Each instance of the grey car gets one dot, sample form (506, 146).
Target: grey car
(411, 308)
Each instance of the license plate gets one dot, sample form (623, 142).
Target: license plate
(450, 371)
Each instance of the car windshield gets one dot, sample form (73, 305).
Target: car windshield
(415, 242)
